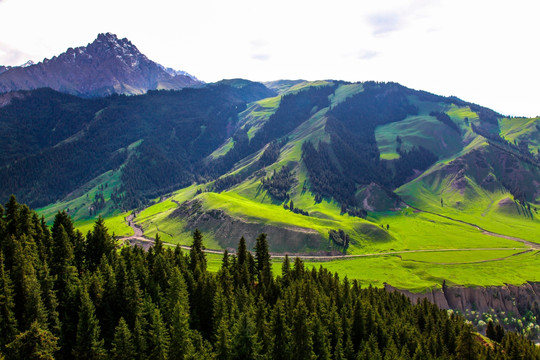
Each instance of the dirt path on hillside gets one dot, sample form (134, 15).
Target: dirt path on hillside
(137, 229)
(139, 239)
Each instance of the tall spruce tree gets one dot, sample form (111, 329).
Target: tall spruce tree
(33, 344)
(197, 257)
(8, 322)
(181, 346)
(122, 344)
(159, 337)
(246, 346)
(262, 256)
(302, 345)
(98, 244)
(89, 344)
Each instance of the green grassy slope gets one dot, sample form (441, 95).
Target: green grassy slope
(522, 129)
(391, 245)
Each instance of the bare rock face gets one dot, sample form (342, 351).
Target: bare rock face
(509, 298)
(107, 66)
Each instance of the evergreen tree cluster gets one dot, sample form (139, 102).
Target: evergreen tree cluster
(227, 182)
(418, 158)
(294, 109)
(52, 143)
(98, 203)
(339, 238)
(270, 154)
(280, 183)
(352, 157)
(446, 120)
(68, 296)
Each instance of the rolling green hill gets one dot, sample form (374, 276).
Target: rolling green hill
(375, 171)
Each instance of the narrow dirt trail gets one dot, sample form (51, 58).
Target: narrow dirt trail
(137, 230)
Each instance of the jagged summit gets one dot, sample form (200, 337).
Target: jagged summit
(107, 65)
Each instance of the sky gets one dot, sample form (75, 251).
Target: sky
(486, 52)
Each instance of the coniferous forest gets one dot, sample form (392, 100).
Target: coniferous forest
(66, 295)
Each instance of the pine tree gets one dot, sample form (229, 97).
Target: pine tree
(62, 262)
(8, 322)
(358, 330)
(286, 271)
(196, 255)
(490, 330)
(35, 343)
(321, 346)
(261, 324)
(62, 222)
(262, 256)
(12, 222)
(467, 348)
(298, 269)
(28, 303)
(159, 337)
(79, 251)
(98, 244)
(223, 348)
(181, 346)
(242, 252)
(302, 345)
(122, 344)
(177, 291)
(139, 337)
(242, 263)
(499, 333)
(245, 343)
(89, 345)
(50, 300)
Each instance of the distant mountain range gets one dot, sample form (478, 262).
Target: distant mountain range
(108, 65)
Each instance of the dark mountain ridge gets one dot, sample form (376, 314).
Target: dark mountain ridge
(52, 143)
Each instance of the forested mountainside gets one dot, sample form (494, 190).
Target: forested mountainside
(70, 296)
(54, 143)
(312, 148)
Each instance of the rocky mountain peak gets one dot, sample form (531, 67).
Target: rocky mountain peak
(107, 65)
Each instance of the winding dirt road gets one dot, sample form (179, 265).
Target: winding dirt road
(138, 239)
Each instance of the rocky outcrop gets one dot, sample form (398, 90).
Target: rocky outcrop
(227, 230)
(510, 298)
(106, 66)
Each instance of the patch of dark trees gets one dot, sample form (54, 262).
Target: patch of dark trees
(339, 238)
(518, 149)
(52, 143)
(226, 182)
(446, 120)
(294, 109)
(117, 197)
(280, 183)
(418, 158)
(98, 203)
(353, 211)
(295, 209)
(352, 157)
(270, 154)
(484, 114)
